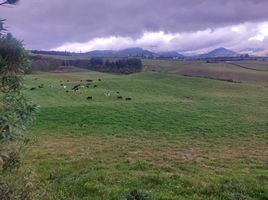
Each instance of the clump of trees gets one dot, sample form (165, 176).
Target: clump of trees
(16, 112)
(121, 66)
(53, 53)
(41, 63)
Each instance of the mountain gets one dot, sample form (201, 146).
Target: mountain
(102, 53)
(139, 52)
(122, 53)
(170, 54)
(136, 52)
(220, 53)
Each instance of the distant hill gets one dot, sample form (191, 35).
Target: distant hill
(169, 54)
(135, 52)
(220, 53)
(139, 52)
(102, 53)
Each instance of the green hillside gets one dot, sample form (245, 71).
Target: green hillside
(178, 138)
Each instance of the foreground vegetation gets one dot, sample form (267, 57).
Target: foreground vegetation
(179, 137)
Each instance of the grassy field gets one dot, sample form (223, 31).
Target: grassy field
(179, 137)
(237, 71)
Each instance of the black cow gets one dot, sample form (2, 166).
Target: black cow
(89, 80)
(33, 88)
(120, 97)
(89, 98)
(76, 87)
(99, 79)
(41, 86)
(95, 86)
(128, 99)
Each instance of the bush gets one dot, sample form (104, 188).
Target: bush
(137, 195)
(17, 187)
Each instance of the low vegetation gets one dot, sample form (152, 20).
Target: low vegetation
(178, 138)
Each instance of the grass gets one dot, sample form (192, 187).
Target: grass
(179, 137)
(238, 71)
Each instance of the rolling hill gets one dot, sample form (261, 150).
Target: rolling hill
(219, 53)
(139, 52)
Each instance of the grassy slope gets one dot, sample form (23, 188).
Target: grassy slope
(219, 70)
(180, 138)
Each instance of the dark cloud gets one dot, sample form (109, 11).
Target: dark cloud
(44, 24)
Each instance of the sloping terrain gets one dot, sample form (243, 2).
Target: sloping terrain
(236, 71)
(177, 138)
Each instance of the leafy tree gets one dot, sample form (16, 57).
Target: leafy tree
(16, 111)
(10, 2)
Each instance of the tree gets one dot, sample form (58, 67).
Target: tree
(16, 111)
(10, 2)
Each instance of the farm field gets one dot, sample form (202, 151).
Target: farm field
(178, 138)
(236, 71)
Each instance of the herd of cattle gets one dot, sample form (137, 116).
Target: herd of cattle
(80, 86)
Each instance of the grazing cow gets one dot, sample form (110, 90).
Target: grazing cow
(61, 84)
(41, 86)
(107, 94)
(120, 97)
(64, 86)
(128, 99)
(99, 79)
(87, 86)
(68, 81)
(77, 91)
(89, 98)
(81, 81)
(67, 91)
(117, 92)
(33, 88)
(76, 87)
(95, 86)
(89, 80)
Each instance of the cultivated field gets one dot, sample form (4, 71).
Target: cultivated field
(178, 138)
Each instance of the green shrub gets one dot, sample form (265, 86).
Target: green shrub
(137, 195)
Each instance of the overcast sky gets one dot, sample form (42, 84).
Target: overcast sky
(186, 26)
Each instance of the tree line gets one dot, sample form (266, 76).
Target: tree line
(122, 66)
(53, 53)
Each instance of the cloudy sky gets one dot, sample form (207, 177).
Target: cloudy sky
(186, 26)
